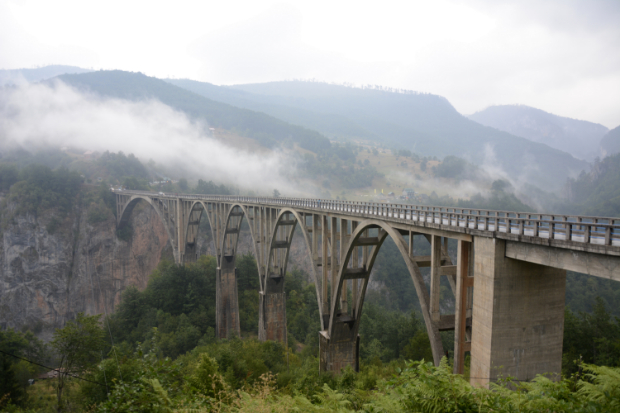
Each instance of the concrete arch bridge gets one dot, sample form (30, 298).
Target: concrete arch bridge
(509, 278)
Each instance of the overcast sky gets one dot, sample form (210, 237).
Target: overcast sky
(561, 56)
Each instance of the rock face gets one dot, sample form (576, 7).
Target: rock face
(47, 277)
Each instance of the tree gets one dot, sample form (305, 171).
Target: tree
(78, 346)
(276, 193)
(13, 372)
(183, 184)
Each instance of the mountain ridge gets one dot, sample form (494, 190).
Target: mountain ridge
(578, 137)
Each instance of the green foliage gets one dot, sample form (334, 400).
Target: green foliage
(591, 337)
(241, 362)
(53, 158)
(597, 192)
(53, 225)
(8, 176)
(582, 291)
(204, 379)
(40, 188)
(388, 335)
(133, 183)
(151, 385)
(602, 387)
(183, 184)
(501, 198)
(302, 313)
(209, 188)
(14, 372)
(11, 392)
(98, 212)
(179, 301)
(119, 166)
(341, 169)
(456, 168)
(125, 232)
(78, 347)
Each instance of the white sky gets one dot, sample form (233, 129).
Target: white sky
(562, 56)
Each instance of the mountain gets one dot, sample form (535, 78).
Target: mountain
(38, 74)
(327, 123)
(427, 124)
(597, 193)
(610, 144)
(577, 137)
(135, 86)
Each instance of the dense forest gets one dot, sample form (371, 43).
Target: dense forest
(162, 357)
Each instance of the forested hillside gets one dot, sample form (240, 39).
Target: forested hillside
(136, 86)
(598, 191)
(424, 123)
(610, 143)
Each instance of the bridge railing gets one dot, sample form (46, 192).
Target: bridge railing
(591, 230)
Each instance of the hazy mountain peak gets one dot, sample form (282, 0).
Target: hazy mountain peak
(610, 144)
(37, 74)
(577, 137)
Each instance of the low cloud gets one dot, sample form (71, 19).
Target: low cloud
(56, 115)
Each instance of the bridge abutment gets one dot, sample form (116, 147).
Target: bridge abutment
(518, 316)
(227, 300)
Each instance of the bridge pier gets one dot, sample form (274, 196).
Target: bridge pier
(226, 300)
(272, 317)
(272, 310)
(336, 353)
(518, 316)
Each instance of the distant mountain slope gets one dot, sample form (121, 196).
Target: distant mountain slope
(38, 74)
(427, 124)
(327, 123)
(136, 86)
(577, 137)
(597, 193)
(610, 144)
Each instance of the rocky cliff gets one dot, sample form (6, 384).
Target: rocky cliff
(47, 276)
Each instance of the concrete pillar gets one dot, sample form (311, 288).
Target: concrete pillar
(336, 353)
(272, 317)
(226, 300)
(518, 316)
(464, 281)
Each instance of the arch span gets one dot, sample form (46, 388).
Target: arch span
(291, 217)
(191, 225)
(162, 208)
(342, 332)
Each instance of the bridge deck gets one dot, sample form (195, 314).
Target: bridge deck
(590, 234)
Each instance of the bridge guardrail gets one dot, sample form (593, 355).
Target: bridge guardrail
(592, 230)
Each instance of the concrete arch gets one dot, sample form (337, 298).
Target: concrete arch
(423, 295)
(191, 224)
(127, 209)
(308, 242)
(226, 234)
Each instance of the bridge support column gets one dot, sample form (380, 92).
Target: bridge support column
(226, 300)
(272, 317)
(340, 351)
(518, 316)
